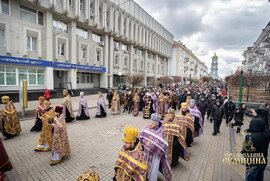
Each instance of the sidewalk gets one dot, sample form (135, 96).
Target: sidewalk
(32, 105)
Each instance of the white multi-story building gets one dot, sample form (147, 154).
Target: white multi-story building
(185, 64)
(257, 57)
(80, 43)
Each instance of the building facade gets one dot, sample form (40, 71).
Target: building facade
(79, 44)
(257, 57)
(185, 64)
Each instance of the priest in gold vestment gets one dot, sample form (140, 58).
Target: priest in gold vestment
(45, 139)
(9, 121)
(60, 146)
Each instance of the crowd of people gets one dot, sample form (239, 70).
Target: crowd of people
(177, 115)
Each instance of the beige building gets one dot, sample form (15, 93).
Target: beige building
(257, 57)
(79, 43)
(185, 64)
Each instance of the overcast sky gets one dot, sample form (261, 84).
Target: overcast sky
(226, 27)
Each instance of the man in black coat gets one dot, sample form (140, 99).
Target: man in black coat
(211, 102)
(256, 142)
(202, 105)
(216, 116)
(109, 98)
(229, 110)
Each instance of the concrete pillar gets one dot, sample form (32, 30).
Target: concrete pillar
(131, 59)
(96, 12)
(72, 75)
(104, 76)
(111, 59)
(145, 68)
(49, 50)
(156, 66)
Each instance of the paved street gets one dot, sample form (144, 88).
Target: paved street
(96, 142)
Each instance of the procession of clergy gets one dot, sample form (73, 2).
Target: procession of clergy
(155, 149)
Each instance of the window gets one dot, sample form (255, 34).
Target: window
(32, 77)
(116, 61)
(4, 6)
(148, 66)
(116, 45)
(60, 26)
(2, 36)
(2, 75)
(98, 56)
(126, 61)
(8, 76)
(70, 3)
(31, 43)
(135, 64)
(31, 15)
(81, 33)
(40, 77)
(22, 74)
(124, 47)
(84, 78)
(96, 38)
(61, 49)
(141, 64)
(81, 5)
(153, 68)
(83, 50)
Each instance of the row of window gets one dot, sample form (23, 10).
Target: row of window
(85, 78)
(12, 76)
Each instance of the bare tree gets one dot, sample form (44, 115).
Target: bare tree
(177, 79)
(206, 79)
(134, 79)
(153, 82)
(165, 80)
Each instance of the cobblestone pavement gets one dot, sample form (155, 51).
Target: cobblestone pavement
(96, 143)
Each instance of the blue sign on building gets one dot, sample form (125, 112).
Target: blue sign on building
(43, 63)
(79, 67)
(24, 61)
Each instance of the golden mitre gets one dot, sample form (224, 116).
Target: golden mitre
(5, 99)
(131, 134)
(89, 176)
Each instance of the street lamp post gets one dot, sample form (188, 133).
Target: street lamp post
(241, 87)
(248, 84)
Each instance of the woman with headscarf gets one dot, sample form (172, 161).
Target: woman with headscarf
(101, 107)
(83, 112)
(60, 144)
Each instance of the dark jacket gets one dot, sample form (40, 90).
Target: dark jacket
(229, 107)
(217, 112)
(109, 96)
(263, 114)
(202, 105)
(258, 136)
(239, 115)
